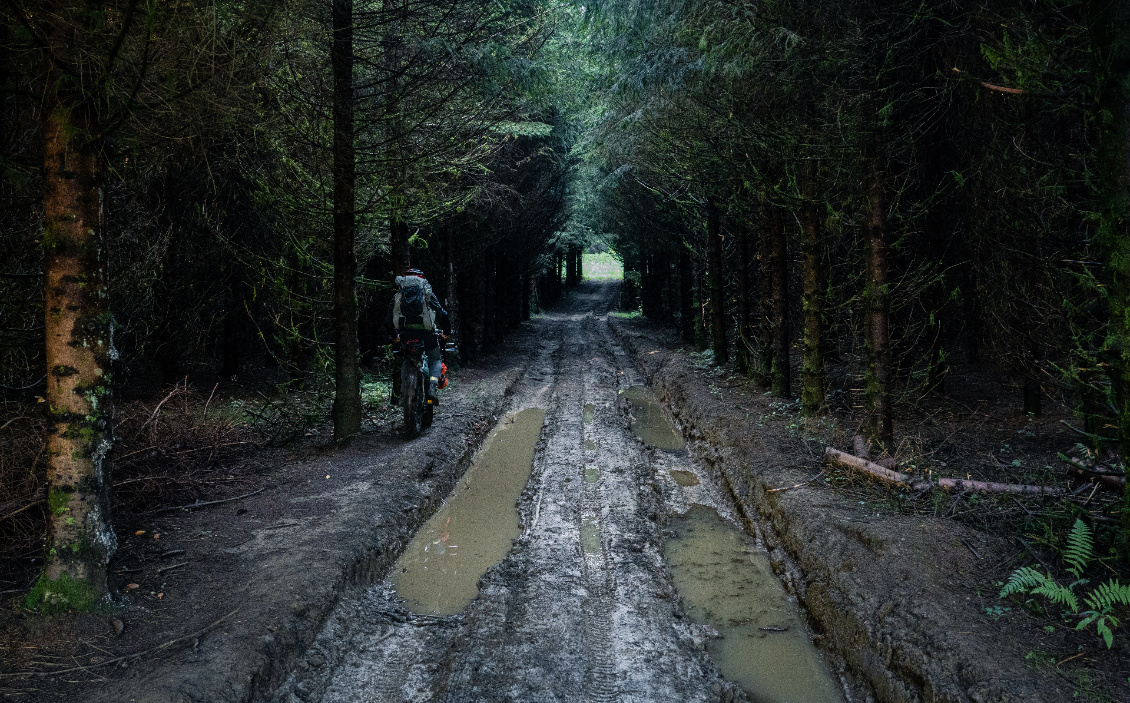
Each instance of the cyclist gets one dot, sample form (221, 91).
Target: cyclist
(416, 313)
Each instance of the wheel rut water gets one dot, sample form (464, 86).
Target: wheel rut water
(584, 606)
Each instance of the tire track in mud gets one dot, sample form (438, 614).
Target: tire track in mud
(600, 684)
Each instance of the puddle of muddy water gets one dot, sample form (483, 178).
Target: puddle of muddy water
(726, 583)
(439, 572)
(651, 424)
(686, 479)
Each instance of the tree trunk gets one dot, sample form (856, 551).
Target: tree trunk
(686, 297)
(78, 330)
(230, 354)
(490, 307)
(399, 253)
(667, 300)
(1110, 27)
(347, 374)
(647, 287)
(879, 426)
(815, 284)
(742, 344)
(780, 371)
(700, 341)
(762, 371)
(717, 283)
(570, 269)
(527, 295)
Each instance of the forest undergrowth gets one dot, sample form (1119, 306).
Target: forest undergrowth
(184, 444)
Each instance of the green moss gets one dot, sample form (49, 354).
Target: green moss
(55, 596)
(59, 500)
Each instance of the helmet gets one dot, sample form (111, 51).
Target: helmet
(415, 272)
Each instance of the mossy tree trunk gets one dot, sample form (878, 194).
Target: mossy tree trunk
(79, 329)
(717, 283)
(879, 425)
(815, 284)
(347, 373)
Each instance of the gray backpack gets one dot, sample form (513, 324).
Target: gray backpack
(411, 309)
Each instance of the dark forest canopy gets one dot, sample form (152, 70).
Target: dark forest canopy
(909, 184)
(890, 186)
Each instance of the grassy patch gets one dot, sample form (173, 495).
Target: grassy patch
(602, 267)
(628, 315)
(63, 594)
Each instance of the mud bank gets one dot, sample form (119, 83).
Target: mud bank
(901, 599)
(330, 526)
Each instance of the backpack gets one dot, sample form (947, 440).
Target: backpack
(411, 309)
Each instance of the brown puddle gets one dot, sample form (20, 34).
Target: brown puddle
(726, 583)
(651, 425)
(685, 479)
(472, 531)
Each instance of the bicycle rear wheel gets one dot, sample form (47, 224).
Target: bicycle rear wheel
(412, 398)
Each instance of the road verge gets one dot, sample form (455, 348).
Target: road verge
(901, 599)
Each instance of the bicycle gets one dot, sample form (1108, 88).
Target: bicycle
(418, 410)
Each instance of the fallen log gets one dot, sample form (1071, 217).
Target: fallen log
(835, 456)
(1093, 469)
(1108, 480)
(948, 484)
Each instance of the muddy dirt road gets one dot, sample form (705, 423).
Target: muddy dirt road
(585, 555)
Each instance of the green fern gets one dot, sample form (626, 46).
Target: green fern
(1108, 594)
(1079, 548)
(1100, 600)
(1023, 580)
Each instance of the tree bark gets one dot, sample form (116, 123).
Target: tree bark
(527, 296)
(686, 297)
(647, 287)
(451, 302)
(78, 329)
(700, 341)
(347, 373)
(879, 425)
(717, 283)
(742, 344)
(399, 253)
(780, 371)
(815, 284)
(762, 371)
(1110, 29)
(845, 460)
(490, 307)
